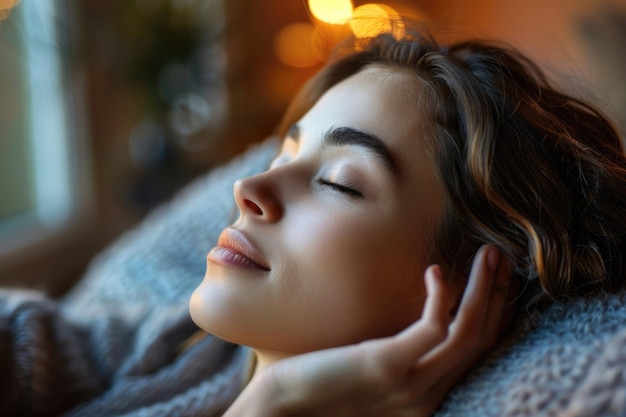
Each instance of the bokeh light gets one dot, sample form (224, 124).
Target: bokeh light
(298, 45)
(331, 11)
(6, 6)
(371, 19)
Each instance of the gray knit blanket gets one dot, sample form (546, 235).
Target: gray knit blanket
(118, 343)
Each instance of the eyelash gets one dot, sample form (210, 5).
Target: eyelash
(321, 181)
(339, 187)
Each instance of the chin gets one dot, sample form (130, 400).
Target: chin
(206, 312)
(195, 310)
(211, 310)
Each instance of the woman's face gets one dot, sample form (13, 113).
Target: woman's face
(332, 241)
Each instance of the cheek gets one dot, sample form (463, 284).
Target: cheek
(337, 245)
(360, 275)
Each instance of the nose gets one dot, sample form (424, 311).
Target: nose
(257, 197)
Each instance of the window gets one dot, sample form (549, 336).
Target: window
(43, 175)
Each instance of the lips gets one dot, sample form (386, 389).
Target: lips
(234, 248)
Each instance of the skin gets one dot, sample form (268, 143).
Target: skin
(330, 256)
(407, 374)
(335, 242)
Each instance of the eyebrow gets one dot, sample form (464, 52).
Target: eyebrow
(348, 136)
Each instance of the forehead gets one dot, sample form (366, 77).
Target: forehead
(380, 100)
(390, 87)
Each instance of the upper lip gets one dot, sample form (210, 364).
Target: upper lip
(236, 240)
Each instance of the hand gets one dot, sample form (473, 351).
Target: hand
(406, 374)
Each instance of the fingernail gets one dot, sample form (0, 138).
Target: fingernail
(493, 259)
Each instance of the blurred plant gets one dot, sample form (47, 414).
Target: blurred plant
(170, 52)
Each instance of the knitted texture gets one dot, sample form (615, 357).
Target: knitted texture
(43, 369)
(111, 347)
(565, 360)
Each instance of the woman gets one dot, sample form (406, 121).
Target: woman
(402, 159)
(369, 268)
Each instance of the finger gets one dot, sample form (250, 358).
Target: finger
(466, 331)
(497, 301)
(496, 305)
(474, 305)
(436, 306)
(431, 329)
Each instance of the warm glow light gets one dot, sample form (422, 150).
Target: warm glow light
(6, 6)
(298, 45)
(371, 19)
(331, 11)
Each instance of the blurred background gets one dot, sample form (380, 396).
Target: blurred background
(108, 107)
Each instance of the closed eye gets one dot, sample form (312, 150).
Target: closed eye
(340, 187)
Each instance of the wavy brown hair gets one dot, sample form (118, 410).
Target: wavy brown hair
(534, 171)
